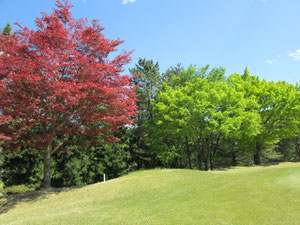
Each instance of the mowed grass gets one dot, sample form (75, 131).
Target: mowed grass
(256, 195)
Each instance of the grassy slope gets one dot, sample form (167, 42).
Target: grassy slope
(258, 195)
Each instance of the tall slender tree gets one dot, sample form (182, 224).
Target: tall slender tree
(147, 82)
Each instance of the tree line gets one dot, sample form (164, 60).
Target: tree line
(187, 118)
(199, 118)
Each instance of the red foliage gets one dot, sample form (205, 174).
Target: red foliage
(58, 81)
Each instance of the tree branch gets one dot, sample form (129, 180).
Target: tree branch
(59, 144)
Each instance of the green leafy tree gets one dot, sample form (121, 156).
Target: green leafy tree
(202, 112)
(172, 72)
(276, 106)
(7, 29)
(175, 151)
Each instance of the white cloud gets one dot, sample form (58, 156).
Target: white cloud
(271, 61)
(128, 1)
(274, 60)
(295, 55)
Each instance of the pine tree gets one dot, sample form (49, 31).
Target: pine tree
(7, 29)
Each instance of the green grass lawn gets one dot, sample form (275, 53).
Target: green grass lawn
(256, 195)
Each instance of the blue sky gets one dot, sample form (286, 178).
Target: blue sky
(261, 34)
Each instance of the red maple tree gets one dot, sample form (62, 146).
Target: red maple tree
(59, 81)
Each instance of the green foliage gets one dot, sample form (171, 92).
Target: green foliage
(18, 189)
(83, 165)
(277, 106)
(1, 160)
(22, 167)
(7, 29)
(148, 81)
(178, 77)
(87, 165)
(288, 148)
(198, 111)
(246, 74)
(172, 72)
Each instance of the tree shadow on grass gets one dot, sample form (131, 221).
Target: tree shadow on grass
(270, 164)
(10, 201)
(247, 166)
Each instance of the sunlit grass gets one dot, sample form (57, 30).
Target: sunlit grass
(256, 195)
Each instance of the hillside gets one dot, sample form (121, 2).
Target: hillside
(256, 195)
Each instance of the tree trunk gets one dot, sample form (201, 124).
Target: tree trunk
(199, 159)
(297, 146)
(233, 156)
(188, 151)
(206, 154)
(47, 168)
(257, 155)
(213, 152)
(206, 158)
(298, 152)
(206, 162)
(203, 159)
(211, 164)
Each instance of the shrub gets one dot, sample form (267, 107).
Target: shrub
(22, 167)
(18, 189)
